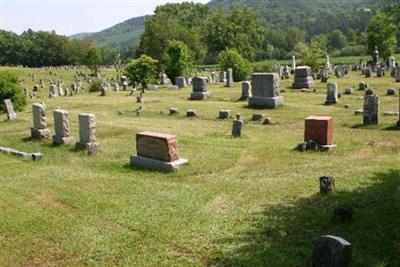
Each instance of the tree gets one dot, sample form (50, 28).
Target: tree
(336, 40)
(231, 58)
(144, 71)
(310, 55)
(93, 59)
(382, 34)
(10, 88)
(177, 59)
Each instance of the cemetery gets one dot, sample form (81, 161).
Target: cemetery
(140, 163)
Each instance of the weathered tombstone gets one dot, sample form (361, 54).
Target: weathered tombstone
(390, 91)
(157, 151)
(257, 117)
(180, 82)
(371, 110)
(224, 114)
(11, 115)
(173, 111)
(53, 92)
(380, 71)
(237, 126)
(222, 76)
(343, 214)
(326, 184)
(191, 113)
(348, 91)
(62, 128)
(332, 93)
(199, 87)
(246, 90)
(229, 79)
(302, 78)
(362, 86)
(398, 74)
(39, 129)
(367, 72)
(265, 91)
(103, 91)
(331, 251)
(87, 133)
(293, 64)
(319, 129)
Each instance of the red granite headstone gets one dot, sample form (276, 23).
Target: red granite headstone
(157, 146)
(319, 129)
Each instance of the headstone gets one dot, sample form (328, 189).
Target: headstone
(348, 91)
(62, 128)
(380, 71)
(367, 72)
(39, 129)
(362, 86)
(222, 76)
(398, 74)
(293, 64)
(246, 90)
(11, 115)
(391, 91)
(87, 133)
(191, 113)
(180, 82)
(332, 93)
(257, 117)
(326, 184)
(343, 214)
(199, 87)
(371, 109)
(229, 79)
(237, 126)
(303, 78)
(53, 92)
(265, 91)
(224, 114)
(320, 130)
(173, 111)
(157, 151)
(331, 251)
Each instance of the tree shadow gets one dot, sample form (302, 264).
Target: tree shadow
(282, 234)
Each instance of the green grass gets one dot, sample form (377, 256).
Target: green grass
(252, 201)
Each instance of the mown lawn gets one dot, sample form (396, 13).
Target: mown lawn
(252, 201)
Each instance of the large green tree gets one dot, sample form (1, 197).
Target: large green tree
(178, 59)
(143, 71)
(382, 34)
(10, 88)
(93, 59)
(232, 59)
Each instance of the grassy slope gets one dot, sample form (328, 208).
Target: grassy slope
(251, 201)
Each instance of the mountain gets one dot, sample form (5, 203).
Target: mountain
(124, 35)
(314, 17)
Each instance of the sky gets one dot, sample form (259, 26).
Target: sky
(68, 17)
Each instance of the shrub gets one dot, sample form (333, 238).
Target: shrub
(178, 59)
(95, 85)
(241, 67)
(143, 70)
(10, 88)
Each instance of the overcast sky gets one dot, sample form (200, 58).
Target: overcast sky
(68, 17)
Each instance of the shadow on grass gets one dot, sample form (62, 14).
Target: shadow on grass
(282, 234)
(392, 128)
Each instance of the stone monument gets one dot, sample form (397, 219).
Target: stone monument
(39, 129)
(157, 151)
(332, 93)
(303, 78)
(265, 91)
(11, 115)
(87, 133)
(62, 134)
(371, 110)
(331, 251)
(319, 129)
(199, 87)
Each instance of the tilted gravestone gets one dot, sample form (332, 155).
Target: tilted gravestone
(265, 91)
(331, 251)
(62, 134)
(303, 78)
(246, 90)
(319, 129)
(87, 133)
(157, 151)
(11, 115)
(39, 129)
(332, 93)
(229, 78)
(371, 110)
(199, 87)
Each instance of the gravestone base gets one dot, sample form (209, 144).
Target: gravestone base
(63, 140)
(199, 95)
(265, 102)
(91, 148)
(327, 148)
(330, 102)
(153, 164)
(40, 133)
(12, 116)
(301, 83)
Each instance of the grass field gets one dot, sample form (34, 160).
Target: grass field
(251, 201)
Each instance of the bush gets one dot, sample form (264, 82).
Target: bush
(95, 85)
(241, 67)
(10, 88)
(178, 59)
(143, 70)
(356, 50)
